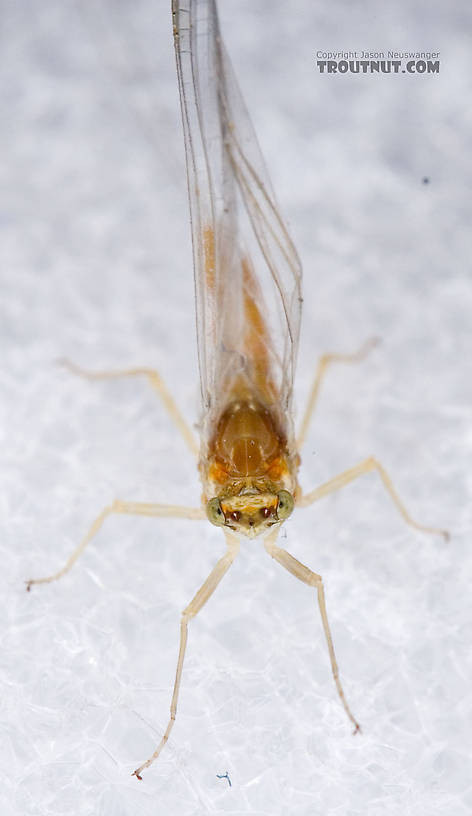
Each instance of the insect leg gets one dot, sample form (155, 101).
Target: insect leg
(323, 364)
(128, 508)
(156, 382)
(311, 578)
(202, 596)
(348, 476)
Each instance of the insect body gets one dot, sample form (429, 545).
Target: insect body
(248, 298)
(245, 266)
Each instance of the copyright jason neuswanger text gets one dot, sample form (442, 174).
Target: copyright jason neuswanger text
(378, 62)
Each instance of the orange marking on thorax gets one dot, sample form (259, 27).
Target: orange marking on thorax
(278, 469)
(217, 473)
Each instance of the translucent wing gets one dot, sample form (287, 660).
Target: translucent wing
(247, 271)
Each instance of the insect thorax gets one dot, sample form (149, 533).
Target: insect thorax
(248, 453)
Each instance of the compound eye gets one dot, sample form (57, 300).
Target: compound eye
(285, 505)
(215, 513)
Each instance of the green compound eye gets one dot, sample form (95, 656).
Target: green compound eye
(285, 505)
(215, 513)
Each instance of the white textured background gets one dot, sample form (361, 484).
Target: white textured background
(96, 266)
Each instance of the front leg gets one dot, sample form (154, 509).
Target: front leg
(312, 579)
(191, 611)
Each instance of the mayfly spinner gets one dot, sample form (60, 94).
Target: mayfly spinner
(248, 302)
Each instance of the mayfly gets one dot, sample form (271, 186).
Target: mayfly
(248, 304)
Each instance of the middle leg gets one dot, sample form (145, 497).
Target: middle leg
(368, 465)
(127, 508)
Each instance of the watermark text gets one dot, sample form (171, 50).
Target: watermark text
(378, 62)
